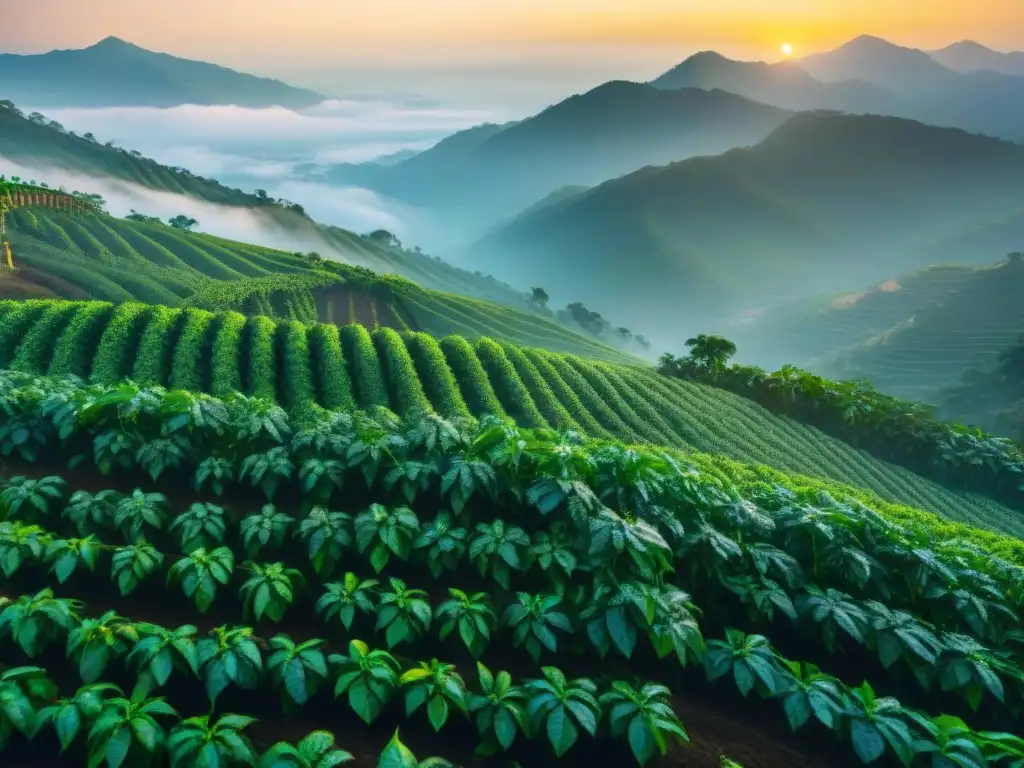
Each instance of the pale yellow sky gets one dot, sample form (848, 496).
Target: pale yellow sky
(310, 33)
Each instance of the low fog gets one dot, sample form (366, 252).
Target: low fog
(242, 224)
(282, 151)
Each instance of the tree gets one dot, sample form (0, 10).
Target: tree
(624, 333)
(539, 297)
(1015, 258)
(710, 352)
(89, 137)
(182, 222)
(385, 238)
(262, 195)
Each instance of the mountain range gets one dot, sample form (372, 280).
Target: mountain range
(115, 73)
(969, 56)
(981, 90)
(479, 176)
(826, 201)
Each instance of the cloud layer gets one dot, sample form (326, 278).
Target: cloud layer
(278, 149)
(242, 224)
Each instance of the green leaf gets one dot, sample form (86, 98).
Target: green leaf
(67, 724)
(505, 728)
(867, 741)
(561, 730)
(641, 740)
(437, 712)
(117, 747)
(396, 755)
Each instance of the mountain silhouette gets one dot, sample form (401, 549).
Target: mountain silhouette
(117, 73)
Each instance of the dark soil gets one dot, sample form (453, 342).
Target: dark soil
(30, 283)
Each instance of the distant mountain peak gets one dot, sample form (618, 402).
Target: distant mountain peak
(113, 43)
(969, 46)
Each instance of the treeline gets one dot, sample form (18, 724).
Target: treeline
(905, 433)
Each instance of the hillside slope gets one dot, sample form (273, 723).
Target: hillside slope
(479, 176)
(825, 202)
(934, 344)
(40, 143)
(114, 73)
(118, 260)
(298, 364)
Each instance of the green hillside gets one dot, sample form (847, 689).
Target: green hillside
(964, 325)
(194, 558)
(827, 201)
(812, 330)
(297, 364)
(42, 142)
(120, 260)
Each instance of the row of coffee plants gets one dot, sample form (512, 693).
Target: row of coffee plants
(115, 730)
(369, 679)
(667, 514)
(893, 429)
(536, 387)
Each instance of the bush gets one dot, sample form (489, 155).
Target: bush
(298, 390)
(438, 381)
(554, 412)
(509, 387)
(225, 365)
(261, 370)
(119, 343)
(564, 395)
(76, 346)
(153, 364)
(331, 371)
(405, 388)
(189, 368)
(365, 366)
(18, 317)
(34, 353)
(471, 377)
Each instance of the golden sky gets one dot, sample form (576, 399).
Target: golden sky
(322, 32)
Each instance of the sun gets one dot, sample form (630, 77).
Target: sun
(787, 49)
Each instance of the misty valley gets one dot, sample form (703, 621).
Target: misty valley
(554, 408)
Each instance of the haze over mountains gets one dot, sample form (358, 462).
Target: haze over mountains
(478, 176)
(826, 201)
(116, 73)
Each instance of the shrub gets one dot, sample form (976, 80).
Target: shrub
(298, 390)
(34, 353)
(190, 353)
(406, 388)
(331, 375)
(471, 377)
(262, 362)
(438, 380)
(225, 365)
(153, 364)
(77, 344)
(509, 387)
(365, 366)
(119, 343)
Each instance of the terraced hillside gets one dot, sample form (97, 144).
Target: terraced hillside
(119, 260)
(40, 143)
(216, 583)
(298, 364)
